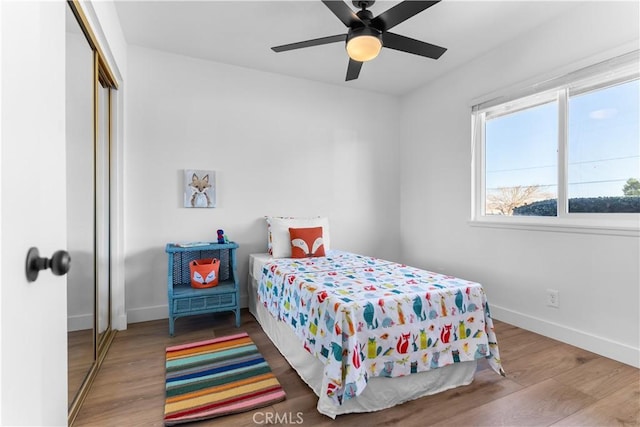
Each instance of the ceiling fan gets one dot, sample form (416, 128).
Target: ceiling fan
(367, 35)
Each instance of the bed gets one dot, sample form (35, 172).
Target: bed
(367, 334)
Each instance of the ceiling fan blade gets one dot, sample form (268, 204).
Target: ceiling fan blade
(409, 45)
(400, 13)
(353, 70)
(309, 43)
(343, 12)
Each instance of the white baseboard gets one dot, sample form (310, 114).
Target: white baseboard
(119, 323)
(599, 345)
(79, 322)
(85, 321)
(145, 314)
(244, 301)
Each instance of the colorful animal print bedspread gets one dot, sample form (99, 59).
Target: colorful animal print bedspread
(365, 317)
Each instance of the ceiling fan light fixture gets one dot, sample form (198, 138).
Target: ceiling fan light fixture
(363, 44)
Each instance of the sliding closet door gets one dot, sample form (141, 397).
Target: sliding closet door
(80, 204)
(90, 84)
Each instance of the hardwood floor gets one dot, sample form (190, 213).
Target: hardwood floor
(547, 383)
(79, 359)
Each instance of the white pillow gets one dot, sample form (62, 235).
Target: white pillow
(278, 233)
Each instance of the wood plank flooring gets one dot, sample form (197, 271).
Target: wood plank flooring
(79, 359)
(548, 383)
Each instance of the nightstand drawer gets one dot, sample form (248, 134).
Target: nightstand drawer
(204, 303)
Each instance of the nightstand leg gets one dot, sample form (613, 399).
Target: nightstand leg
(237, 318)
(171, 323)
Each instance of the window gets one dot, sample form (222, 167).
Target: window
(604, 147)
(521, 158)
(565, 152)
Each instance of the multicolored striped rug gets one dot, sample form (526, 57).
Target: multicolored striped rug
(217, 377)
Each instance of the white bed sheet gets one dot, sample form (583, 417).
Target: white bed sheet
(256, 263)
(380, 393)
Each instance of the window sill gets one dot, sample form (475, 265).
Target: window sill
(629, 229)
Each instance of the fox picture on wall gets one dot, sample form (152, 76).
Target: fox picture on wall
(199, 188)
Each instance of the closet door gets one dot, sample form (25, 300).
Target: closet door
(80, 154)
(90, 83)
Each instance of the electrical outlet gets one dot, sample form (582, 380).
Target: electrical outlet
(552, 298)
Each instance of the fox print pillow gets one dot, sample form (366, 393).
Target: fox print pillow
(306, 242)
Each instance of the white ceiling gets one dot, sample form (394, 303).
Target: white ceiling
(242, 33)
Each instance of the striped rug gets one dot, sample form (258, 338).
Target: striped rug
(217, 377)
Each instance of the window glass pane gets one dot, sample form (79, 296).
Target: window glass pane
(604, 150)
(521, 162)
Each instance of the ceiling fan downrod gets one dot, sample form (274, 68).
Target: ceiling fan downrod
(365, 15)
(363, 4)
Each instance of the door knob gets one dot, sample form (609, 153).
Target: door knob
(59, 263)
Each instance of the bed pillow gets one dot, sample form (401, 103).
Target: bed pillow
(271, 220)
(279, 242)
(306, 242)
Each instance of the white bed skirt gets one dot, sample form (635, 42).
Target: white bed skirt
(380, 393)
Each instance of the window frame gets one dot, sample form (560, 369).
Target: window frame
(605, 74)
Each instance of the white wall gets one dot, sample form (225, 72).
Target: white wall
(279, 146)
(597, 276)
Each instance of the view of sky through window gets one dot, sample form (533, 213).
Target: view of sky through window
(603, 149)
(604, 140)
(522, 148)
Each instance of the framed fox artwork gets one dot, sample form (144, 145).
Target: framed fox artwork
(199, 188)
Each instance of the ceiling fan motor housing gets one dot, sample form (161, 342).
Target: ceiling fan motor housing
(364, 31)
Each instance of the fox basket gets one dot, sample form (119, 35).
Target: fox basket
(204, 272)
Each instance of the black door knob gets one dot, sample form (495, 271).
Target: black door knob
(59, 263)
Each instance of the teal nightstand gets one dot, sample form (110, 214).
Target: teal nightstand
(187, 301)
